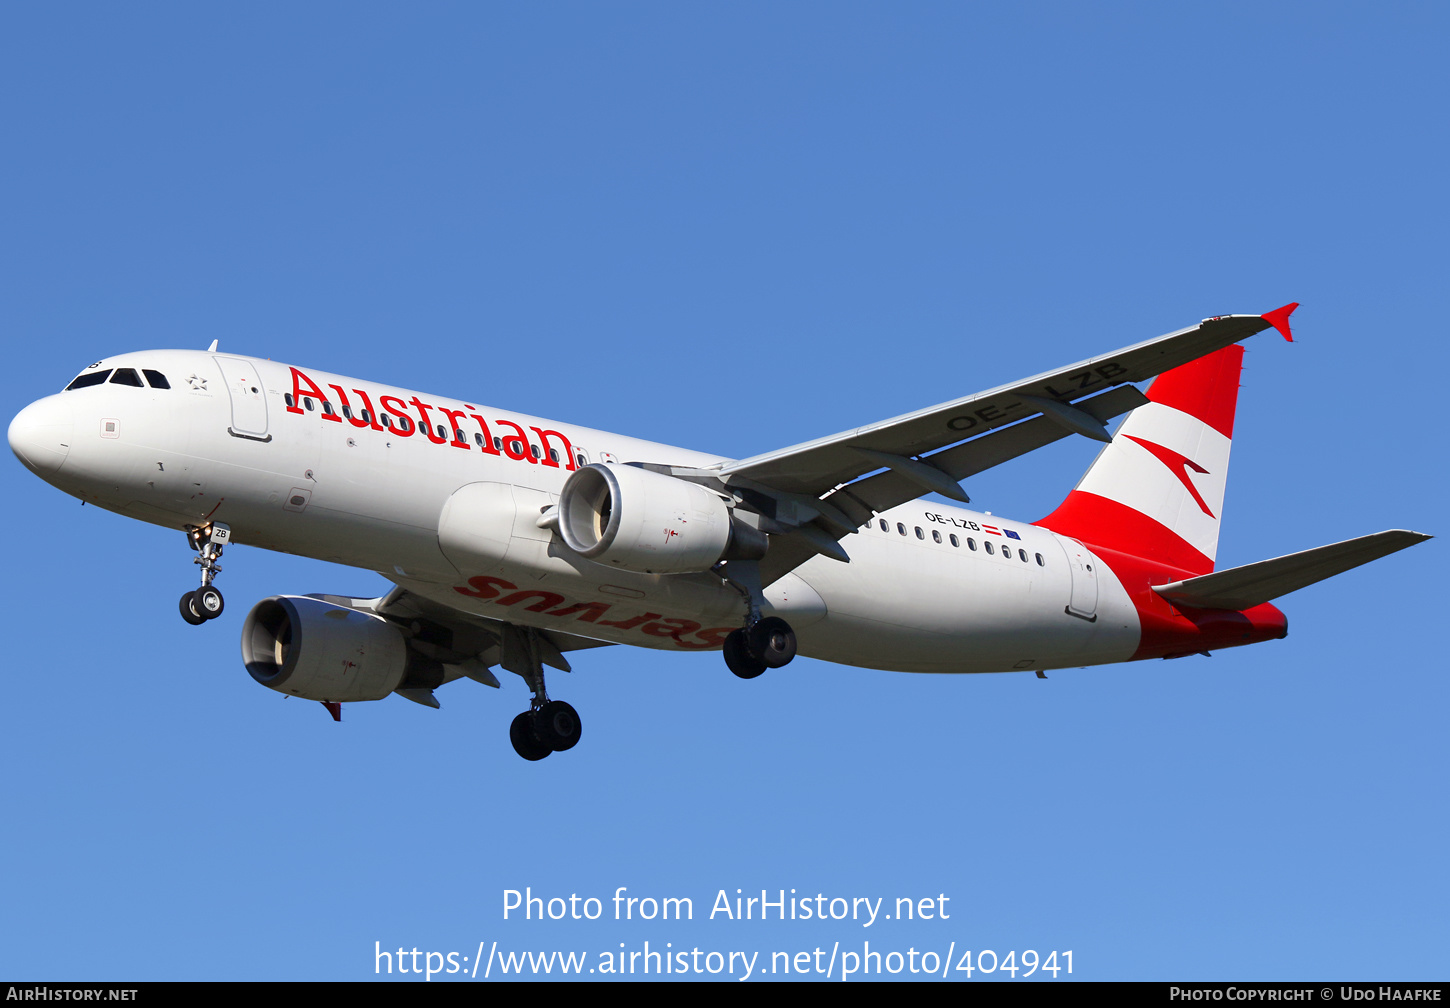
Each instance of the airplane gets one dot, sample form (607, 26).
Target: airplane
(512, 540)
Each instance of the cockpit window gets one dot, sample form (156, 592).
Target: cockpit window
(88, 379)
(156, 378)
(127, 376)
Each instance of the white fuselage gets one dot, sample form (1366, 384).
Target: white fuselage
(457, 521)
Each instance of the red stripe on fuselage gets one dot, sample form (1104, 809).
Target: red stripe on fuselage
(1168, 631)
(1101, 523)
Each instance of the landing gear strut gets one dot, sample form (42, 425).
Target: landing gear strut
(206, 602)
(763, 642)
(548, 726)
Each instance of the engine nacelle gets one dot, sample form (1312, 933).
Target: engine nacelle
(643, 521)
(309, 648)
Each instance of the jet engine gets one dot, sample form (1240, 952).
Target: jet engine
(320, 651)
(644, 521)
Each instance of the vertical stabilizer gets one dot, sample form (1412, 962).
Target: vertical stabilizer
(1157, 490)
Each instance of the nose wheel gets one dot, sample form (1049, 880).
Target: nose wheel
(189, 613)
(206, 602)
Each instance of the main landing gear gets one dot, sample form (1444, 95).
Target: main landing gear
(764, 642)
(548, 726)
(767, 643)
(206, 602)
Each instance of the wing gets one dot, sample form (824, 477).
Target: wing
(465, 644)
(817, 466)
(811, 495)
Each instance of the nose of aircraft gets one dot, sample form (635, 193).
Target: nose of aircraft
(40, 434)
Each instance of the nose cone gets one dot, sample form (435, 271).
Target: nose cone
(40, 434)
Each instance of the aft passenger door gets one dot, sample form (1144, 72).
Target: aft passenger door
(1083, 602)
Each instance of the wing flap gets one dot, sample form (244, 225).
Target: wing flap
(1244, 587)
(886, 490)
(467, 642)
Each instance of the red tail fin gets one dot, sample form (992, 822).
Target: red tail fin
(1157, 491)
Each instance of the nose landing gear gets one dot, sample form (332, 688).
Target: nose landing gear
(206, 602)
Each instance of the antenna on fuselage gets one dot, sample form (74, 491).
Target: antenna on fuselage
(212, 348)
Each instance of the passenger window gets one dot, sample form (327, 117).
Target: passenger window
(387, 420)
(127, 376)
(554, 454)
(901, 528)
(441, 433)
(347, 411)
(308, 403)
(478, 440)
(1022, 555)
(919, 533)
(534, 449)
(988, 547)
(87, 380)
(458, 435)
(367, 417)
(327, 407)
(954, 541)
(936, 535)
(404, 424)
(885, 527)
(971, 543)
(287, 398)
(1039, 560)
(156, 378)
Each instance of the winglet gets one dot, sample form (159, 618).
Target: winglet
(1279, 319)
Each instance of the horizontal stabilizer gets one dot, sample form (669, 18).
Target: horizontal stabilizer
(1244, 587)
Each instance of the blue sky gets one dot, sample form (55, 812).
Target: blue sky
(735, 227)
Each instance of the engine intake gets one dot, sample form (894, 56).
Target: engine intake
(314, 649)
(643, 521)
